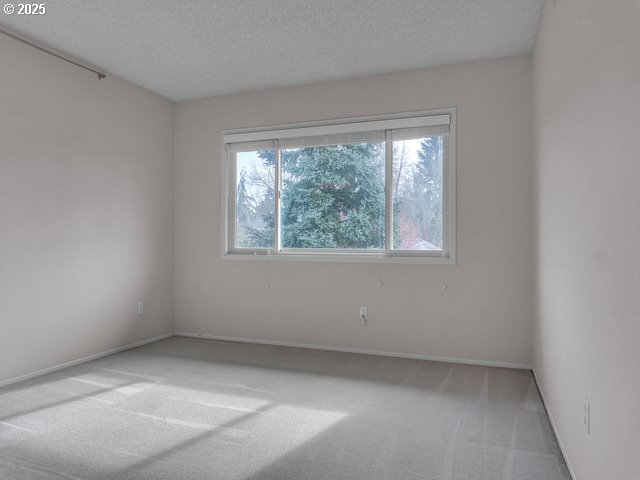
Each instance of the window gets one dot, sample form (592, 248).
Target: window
(373, 188)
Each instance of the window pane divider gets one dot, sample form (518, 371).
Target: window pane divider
(388, 192)
(278, 194)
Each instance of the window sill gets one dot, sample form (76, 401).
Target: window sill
(343, 258)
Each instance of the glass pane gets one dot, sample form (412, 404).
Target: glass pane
(333, 196)
(255, 199)
(417, 194)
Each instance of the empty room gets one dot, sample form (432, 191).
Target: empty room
(320, 239)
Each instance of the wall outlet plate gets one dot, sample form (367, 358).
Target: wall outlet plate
(363, 316)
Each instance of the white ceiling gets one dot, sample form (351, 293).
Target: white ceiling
(200, 48)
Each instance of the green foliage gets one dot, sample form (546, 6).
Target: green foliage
(334, 197)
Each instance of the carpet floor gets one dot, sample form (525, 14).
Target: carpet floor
(189, 409)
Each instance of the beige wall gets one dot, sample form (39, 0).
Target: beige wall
(486, 311)
(587, 99)
(86, 212)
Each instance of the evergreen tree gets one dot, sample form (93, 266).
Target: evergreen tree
(244, 208)
(428, 188)
(333, 197)
(417, 200)
(261, 233)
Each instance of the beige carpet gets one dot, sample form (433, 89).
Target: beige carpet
(198, 409)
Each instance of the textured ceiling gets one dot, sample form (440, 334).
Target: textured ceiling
(200, 48)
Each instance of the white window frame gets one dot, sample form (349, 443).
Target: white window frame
(446, 256)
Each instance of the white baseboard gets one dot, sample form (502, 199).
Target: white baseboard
(554, 427)
(78, 361)
(466, 361)
(433, 358)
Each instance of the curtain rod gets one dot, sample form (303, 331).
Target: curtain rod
(26, 42)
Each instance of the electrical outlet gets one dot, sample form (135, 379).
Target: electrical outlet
(140, 308)
(363, 316)
(587, 416)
